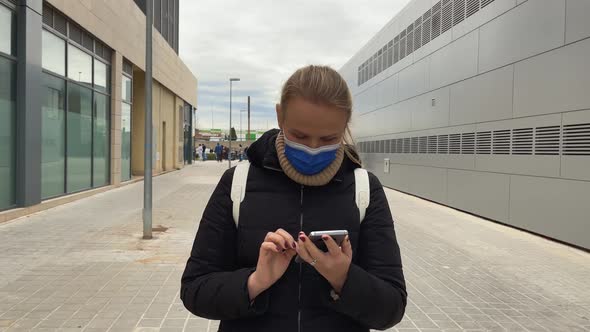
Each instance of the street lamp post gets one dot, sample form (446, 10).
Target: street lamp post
(147, 156)
(241, 111)
(231, 80)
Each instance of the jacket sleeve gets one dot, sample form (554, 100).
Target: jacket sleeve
(374, 293)
(212, 285)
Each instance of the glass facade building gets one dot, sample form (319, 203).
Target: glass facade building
(67, 100)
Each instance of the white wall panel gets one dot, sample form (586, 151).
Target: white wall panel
(486, 14)
(528, 29)
(425, 115)
(413, 80)
(553, 207)
(486, 97)
(455, 62)
(553, 82)
(433, 46)
(577, 22)
(485, 194)
(387, 120)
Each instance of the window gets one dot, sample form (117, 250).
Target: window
(7, 133)
(79, 138)
(101, 76)
(125, 142)
(53, 131)
(79, 65)
(7, 31)
(126, 86)
(100, 141)
(53, 53)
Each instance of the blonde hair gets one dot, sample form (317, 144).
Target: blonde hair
(322, 85)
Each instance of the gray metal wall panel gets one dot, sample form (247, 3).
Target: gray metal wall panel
(529, 29)
(431, 110)
(494, 9)
(429, 182)
(415, 80)
(455, 62)
(485, 194)
(487, 97)
(553, 207)
(577, 23)
(553, 82)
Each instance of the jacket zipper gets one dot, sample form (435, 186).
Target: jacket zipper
(300, 265)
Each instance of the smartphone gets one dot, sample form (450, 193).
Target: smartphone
(316, 238)
(337, 235)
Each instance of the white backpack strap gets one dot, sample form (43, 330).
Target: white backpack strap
(363, 191)
(238, 189)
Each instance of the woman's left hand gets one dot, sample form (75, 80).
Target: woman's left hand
(332, 265)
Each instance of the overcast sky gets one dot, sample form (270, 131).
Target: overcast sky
(262, 42)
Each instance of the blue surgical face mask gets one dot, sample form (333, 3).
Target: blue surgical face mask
(309, 161)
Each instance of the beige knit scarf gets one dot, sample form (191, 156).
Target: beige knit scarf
(315, 180)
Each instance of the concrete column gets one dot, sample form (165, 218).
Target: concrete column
(28, 101)
(116, 98)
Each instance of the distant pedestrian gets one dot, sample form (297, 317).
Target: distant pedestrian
(204, 154)
(218, 150)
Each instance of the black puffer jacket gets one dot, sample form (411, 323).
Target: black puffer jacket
(214, 284)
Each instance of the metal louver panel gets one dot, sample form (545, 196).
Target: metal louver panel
(501, 142)
(455, 144)
(426, 26)
(576, 139)
(443, 144)
(547, 140)
(486, 2)
(522, 141)
(407, 145)
(423, 144)
(400, 145)
(415, 145)
(468, 143)
(447, 17)
(472, 7)
(60, 23)
(435, 29)
(432, 144)
(47, 15)
(459, 12)
(418, 33)
(484, 142)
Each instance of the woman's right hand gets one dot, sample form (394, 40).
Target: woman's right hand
(276, 253)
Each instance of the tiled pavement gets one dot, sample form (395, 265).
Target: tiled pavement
(83, 266)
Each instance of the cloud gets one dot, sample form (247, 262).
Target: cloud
(262, 42)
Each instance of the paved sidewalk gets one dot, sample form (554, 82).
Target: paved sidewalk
(84, 267)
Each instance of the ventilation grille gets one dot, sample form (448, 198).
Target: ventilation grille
(501, 142)
(468, 143)
(443, 144)
(459, 12)
(486, 2)
(415, 144)
(484, 142)
(522, 141)
(447, 17)
(547, 140)
(87, 42)
(572, 139)
(472, 7)
(418, 33)
(127, 67)
(423, 148)
(75, 34)
(576, 140)
(455, 144)
(440, 18)
(432, 144)
(435, 32)
(47, 15)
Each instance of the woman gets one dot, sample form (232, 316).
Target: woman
(247, 276)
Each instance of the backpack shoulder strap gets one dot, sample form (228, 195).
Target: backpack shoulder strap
(238, 189)
(363, 191)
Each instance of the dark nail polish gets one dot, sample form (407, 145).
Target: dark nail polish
(294, 245)
(279, 248)
(325, 238)
(302, 238)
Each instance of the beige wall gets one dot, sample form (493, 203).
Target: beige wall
(165, 114)
(121, 25)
